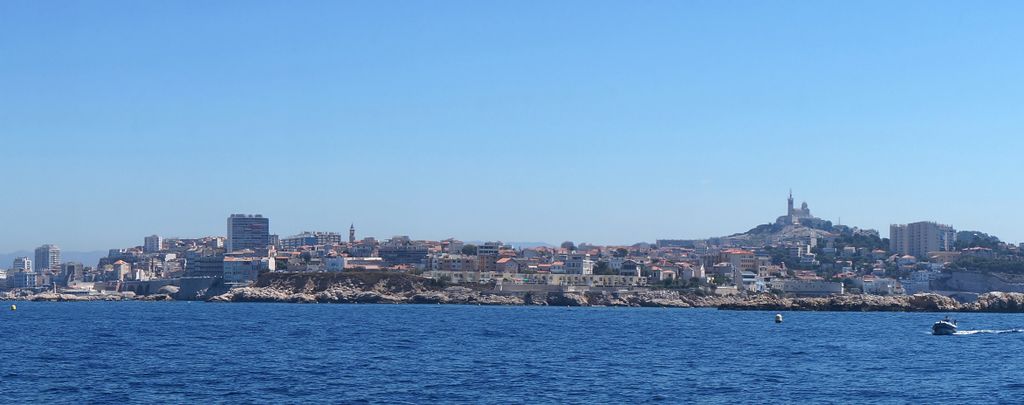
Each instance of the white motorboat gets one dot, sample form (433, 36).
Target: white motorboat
(944, 327)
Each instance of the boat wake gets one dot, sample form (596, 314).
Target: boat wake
(987, 331)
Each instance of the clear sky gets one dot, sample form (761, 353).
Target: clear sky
(592, 121)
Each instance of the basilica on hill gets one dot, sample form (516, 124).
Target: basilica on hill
(798, 216)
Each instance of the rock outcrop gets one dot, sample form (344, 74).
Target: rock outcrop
(395, 288)
(997, 302)
(860, 303)
(55, 297)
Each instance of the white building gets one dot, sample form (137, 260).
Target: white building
(246, 269)
(578, 263)
(879, 285)
(334, 264)
(690, 272)
(22, 264)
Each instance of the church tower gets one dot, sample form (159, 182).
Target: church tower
(352, 232)
(789, 207)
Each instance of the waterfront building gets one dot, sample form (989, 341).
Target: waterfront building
(740, 259)
(630, 268)
(539, 282)
(400, 250)
(363, 249)
(691, 272)
(919, 238)
(205, 266)
(878, 285)
(119, 271)
(22, 264)
(511, 265)
(246, 269)
(25, 279)
(130, 255)
(807, 287)
(363, 263)
(745, 280)
(557, 267)
(487, 256)
(152, 244)
(248, 232)
(334, 264)
(658, 273)
(71, 272)
(47, 259)
(451, 262)
(310, 239)
(578, 263)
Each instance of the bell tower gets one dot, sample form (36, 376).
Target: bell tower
(789, 206)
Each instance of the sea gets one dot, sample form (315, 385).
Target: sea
(193, 352)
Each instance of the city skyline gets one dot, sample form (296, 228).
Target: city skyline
(263, 228)
(606, 123)
(464, 201)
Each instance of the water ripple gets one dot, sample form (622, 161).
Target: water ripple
(278, 353)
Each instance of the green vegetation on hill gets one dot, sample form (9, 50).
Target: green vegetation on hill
(859, 241)
(970, 239)
(988, 265)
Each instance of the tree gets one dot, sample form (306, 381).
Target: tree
(620, 252)
(469, 250)
(569, 246)
(603, 269)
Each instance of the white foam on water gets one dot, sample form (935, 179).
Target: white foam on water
(987, 331)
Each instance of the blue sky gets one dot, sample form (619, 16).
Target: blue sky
(592, 121)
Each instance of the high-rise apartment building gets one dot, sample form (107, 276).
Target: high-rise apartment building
(22, 264)
(47, 258)
(152, 244)
(248, 232)
(919, 238)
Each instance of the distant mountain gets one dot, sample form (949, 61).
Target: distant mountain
(87, 258)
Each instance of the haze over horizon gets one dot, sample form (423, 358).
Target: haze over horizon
(600, 122)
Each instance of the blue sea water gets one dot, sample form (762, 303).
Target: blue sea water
(131, 352)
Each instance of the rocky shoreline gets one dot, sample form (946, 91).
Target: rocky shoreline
(991, 302)
(401, 289)
(386, 288)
